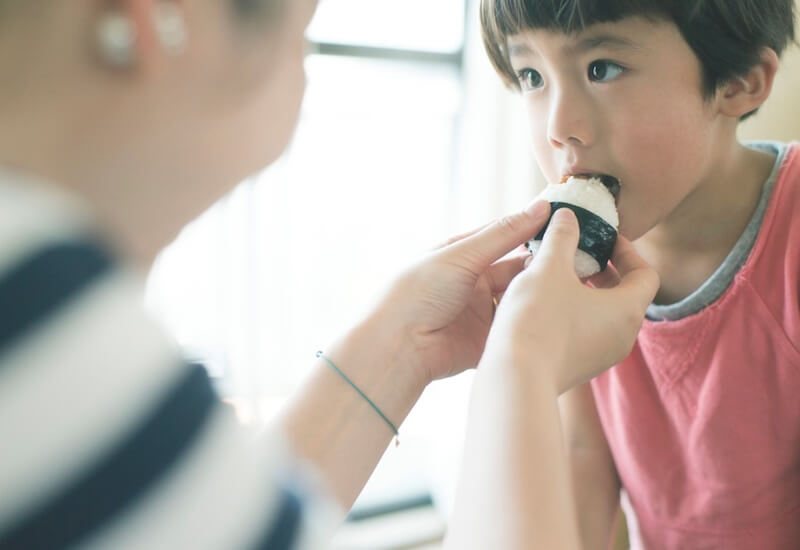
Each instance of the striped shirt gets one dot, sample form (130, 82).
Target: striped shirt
(109, 439)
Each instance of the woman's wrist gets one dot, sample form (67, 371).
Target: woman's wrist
(523, 363)
(383, 364)
(337, 427)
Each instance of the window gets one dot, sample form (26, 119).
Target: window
(375, 175)
(289, 259)
(401, 26)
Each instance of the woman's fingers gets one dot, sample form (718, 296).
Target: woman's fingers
(478, 251)
(624, 260)
(461, 236)
(641, 283)
(608, 278)
(625, 257)
(560, 240)
(637, 278)
(501, 273)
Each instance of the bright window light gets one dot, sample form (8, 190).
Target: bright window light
(425, 25)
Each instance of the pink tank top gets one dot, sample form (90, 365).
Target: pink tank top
(703, 418)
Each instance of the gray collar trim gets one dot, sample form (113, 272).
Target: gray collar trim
(716, 285)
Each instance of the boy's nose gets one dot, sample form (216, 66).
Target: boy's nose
(569, 122)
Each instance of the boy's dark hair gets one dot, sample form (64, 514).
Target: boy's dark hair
(726, 35)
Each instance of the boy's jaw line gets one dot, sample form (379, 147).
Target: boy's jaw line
(702, 220)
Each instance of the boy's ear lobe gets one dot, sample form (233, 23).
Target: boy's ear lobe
(746, 93)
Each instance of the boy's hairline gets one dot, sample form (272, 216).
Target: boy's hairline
(508, 54)
(587, 44)
(496, 33)
(504, 46)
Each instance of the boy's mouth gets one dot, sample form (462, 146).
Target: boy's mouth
(611, 183)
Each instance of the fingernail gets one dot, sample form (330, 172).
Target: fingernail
(537, 208)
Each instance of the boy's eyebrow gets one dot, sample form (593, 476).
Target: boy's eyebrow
(610, 41)
(520, 49)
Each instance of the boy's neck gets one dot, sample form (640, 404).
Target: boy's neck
(693, 241)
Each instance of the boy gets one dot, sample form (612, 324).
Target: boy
(700, 425)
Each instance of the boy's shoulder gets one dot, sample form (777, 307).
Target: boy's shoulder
(791, 163)
(779, 240)
(786, 167)
(787, 183)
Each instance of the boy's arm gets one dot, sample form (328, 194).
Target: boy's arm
(595, 481)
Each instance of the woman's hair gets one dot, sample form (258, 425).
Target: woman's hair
(259, 10)
(264, 8)
(727, 36)
(246, 9)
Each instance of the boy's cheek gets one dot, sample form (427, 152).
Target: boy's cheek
(544, 155)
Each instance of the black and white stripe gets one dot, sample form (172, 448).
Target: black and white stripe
(283, 529)
(115, 481)
(42, 283)
(110, 441)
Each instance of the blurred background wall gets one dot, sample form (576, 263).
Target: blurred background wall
(780, 117)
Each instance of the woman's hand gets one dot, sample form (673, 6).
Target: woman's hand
(443, 306)
(432, 323)
(549, 316)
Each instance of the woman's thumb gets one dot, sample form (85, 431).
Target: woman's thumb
(561, 239)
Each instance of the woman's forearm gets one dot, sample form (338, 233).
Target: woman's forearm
(594, 477)
(333, 427)
(514, 489)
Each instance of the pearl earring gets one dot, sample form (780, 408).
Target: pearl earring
(116, 34)
(170, 27)
(116, 39)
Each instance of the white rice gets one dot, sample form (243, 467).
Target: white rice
(592, 195)
(585, 265)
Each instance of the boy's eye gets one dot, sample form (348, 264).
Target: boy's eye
(604, 71)
(529, 79)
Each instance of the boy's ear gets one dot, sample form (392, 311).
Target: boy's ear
(744, 94)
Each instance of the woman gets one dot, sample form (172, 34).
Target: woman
(120, 121)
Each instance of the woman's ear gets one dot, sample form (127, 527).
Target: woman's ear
(744, 94)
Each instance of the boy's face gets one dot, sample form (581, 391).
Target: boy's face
(623, 99)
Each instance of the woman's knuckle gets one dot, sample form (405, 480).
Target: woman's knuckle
(509, 224)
